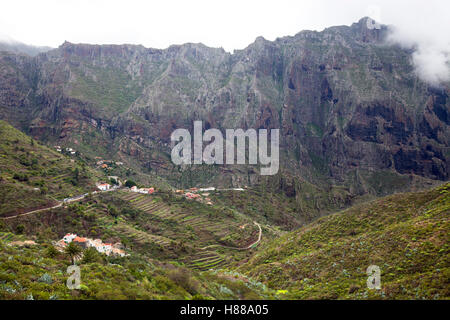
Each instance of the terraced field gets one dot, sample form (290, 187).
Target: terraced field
(139, 236)
(188, 220)
(205, 260)
(95, 208)
(151, 205)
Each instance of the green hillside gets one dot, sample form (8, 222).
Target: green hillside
(34, 176)
(406, 235)
(39, 273)
(235, 248)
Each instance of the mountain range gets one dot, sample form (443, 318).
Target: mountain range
(352, 113)
(357, 124)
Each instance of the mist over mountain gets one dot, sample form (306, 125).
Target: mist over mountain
(19, 47)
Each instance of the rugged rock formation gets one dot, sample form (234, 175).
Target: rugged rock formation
(351, 110)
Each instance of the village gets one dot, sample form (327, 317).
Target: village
(194, 193)
(197, 194)
(105, 248)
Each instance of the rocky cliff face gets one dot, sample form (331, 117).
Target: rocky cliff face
(351, 110)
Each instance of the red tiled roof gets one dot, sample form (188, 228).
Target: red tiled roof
(78, 239)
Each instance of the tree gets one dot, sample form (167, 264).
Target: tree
(76, 177)
(72, 250)
(90, 255)
(130, 183)
(113, 211)
(51, 251)
(44, 190)
(20, 228)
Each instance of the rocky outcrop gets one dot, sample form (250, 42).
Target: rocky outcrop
(347, 103)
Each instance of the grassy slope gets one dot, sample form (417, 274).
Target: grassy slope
(160, 227)
(33, 273)
(26, 165)
(153, 271)
(406, 235)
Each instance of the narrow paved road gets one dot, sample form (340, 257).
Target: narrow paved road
(67, 200)
(31, 212)
(237, 248)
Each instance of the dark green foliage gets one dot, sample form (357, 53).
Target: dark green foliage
(130, 183)
(20, 228)
(91, 255)
(51, 252)
(72, 250)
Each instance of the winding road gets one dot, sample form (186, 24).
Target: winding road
(237, 248)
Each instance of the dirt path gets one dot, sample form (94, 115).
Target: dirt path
(236, 248)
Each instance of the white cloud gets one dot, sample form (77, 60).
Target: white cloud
(427, 32)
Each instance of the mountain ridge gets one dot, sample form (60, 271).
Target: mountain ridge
(350, 109)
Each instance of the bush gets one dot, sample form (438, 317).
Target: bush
(91, 255)
(112, 210)
(130, 183)
(20, 176)
(183, 278)
(51, 251)
(46, 278)
(20, 228)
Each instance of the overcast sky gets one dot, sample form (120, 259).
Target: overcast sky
(231, 24)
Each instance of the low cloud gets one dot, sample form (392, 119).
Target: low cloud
(427, 35)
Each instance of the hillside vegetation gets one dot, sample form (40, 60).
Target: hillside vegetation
(406, 235)
(34, 176)
(39, 273)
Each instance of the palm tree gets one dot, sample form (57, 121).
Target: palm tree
(72, 250)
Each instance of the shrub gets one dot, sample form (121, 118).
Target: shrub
(130, 183)
(46, 278)
(51, 251)
(20, 177)
(91, 255)
(20, 228)
(353, 288)
(183, 278)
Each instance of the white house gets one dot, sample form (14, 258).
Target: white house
(105, 248)
(104, 186)
(69, 237)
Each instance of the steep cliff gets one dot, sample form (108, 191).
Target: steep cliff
(353, 116)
